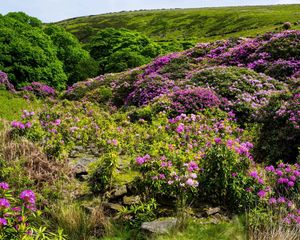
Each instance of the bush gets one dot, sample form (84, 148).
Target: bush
(28, 55)
(279, 137)
(245, 90)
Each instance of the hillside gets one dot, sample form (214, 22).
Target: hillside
(203, 24)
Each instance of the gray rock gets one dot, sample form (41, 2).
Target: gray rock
(119, 191)
(79, 149)
(114, 206)
(160, 226)
(212, 211)
(131, 200)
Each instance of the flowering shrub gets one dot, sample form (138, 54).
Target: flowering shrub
(5, 82)
(279, 137)
(277, 196)
(245, 90)
(148, 88)
(40, 89)
(192, 100)
(18, 215)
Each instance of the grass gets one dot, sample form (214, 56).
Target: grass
(233, 230)
(203, 24)
(12, 105)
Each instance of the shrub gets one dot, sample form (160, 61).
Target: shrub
(245, 90)
(280, 134)
(18, 216)
(40, 90)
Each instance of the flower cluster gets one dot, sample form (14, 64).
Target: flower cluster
(5, 82)
(16, 213)
(26, 121)
(40, 89)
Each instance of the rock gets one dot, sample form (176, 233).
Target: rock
(160, 226)
(80, 166)
(79, 149)
(131, 200)
(119, 192)
(212, 211)
(114, 206)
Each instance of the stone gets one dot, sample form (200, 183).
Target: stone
(131, 200)
(80, 165)
(114, 206)
(119, 191)
(160, 226)
(212, 211)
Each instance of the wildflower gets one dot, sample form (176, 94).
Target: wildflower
(3, 222)
(4, 186)
(291, 184)
(281, 200)
(234, 174)
(193, 175)
(180, 128)
(28, 196)
(262, 193)
(192, 166)
(272, 200)
(270, 168)
(4, 203)
(218, 140)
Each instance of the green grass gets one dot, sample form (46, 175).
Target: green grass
(12, 105)
(233, 230)
(203, 24)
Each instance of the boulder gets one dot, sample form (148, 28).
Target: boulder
(160, 226)
(131, 200)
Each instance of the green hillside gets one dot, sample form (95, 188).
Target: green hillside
(202, 24)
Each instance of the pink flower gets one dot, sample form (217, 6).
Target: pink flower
(4, 203)
(4, 186)
(272, 201)
(28, 196)
(291, 184)
(262, 193)
(180, 128)
(3, 222)
(192, 166)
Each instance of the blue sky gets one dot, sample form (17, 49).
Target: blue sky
(55, 10)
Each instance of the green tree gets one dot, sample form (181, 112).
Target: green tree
(78, 64)
(119, 49)
(27, 54)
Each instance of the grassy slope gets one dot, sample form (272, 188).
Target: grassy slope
(12, 105)
(200, 24)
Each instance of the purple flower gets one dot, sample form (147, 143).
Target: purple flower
(270, 168)
(180, 128)
(4, 203)
(234, 174)
(272, 200)
(28, 196)
(262, 193)
(281, 200)
(218, 140)
(291, 184)
(4, 186)
(192, 166)
(3, 222)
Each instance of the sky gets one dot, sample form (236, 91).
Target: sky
(55, 10)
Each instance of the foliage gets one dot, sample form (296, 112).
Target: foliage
(77, 63)
(18, 216)
(117, 50)
(28, 55)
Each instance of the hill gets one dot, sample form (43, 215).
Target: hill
(203, 24)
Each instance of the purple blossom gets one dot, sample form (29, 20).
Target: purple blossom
(3, 222)
(4, 203)
(4, 186)
(28, 196)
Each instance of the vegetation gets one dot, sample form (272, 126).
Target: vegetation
(198, 144)
(188, 25)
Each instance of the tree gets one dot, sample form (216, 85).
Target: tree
(27, 54)
(119, 49)
(78, 64)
